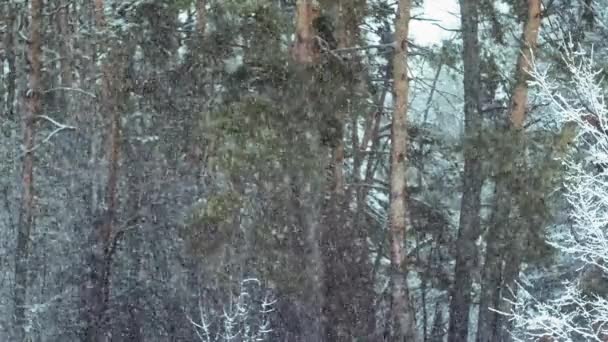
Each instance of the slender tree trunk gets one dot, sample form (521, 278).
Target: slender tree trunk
(344, 39)
(502, 247)
(508, 294)
(316, 270)
(33, 107)
(492, 269)
(519, 98)
(348, 285)
(201, 17)
(437, 331)
(309, 212)
(303, 50)
(469, 230)
(9, 46)
(404, 328)
(104, 235)
(372, 135)
(64, 52)
(99, 14)
(334, 240)
(135, 176)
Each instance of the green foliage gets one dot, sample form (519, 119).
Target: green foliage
(181, 5)
(209, 225)
(564, 139)
(491, 74)
(242, 8)
(450, 53)
(529, 163)
(541, 175)
(246, 136)
(219, 209)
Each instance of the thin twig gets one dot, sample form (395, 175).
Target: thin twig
(366, 47)
(325, 48)
(78, 90)
(60, 127)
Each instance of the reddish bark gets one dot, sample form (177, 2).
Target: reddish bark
(403, 316)
(65, 50)
(33, 107)
(502, 263)
(303, 50)
(519, 99)
(105, 239)
(201, 17)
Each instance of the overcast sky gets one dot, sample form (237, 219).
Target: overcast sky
(446, 12)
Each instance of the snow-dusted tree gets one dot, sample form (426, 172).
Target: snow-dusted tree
(246, 317)
(580, 311)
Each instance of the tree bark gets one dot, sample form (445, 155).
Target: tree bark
(33, 106)
(112, 89)
(64, 52)
(404, 328)
(502, 254)
(469, 230)
(308, 200)
(9, 46)
(519, 98)
(487, 324)
(136, 175)
(303, 50)
(348, 284)
(201, 17)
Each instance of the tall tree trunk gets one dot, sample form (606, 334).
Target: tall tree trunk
(502, 248)
(303, 50)
(315, 268)
(468, 230)
(492, 269)
(348, 285)
(519, 98)
(404, 328)
(64, 52)
(371, 135)
(201, 17)
(9, 47)
(308, 212)
(112, 86)
(33, 107)
(136, 175)
(437, 331)
(511, 267)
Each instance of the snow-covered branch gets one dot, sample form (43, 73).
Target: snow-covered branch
(580, 311)
(58, 128)
(245, 318)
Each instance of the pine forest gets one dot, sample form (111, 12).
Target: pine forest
(303, 170)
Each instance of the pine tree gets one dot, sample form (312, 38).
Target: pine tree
(403, 316)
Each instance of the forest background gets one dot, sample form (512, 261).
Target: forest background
(244, 170)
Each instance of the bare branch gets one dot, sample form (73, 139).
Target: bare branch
(575, 314)
(78, 90)
(60, 127)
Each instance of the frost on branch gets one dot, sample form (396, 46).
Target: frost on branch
(246, 317)
(579, 312)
